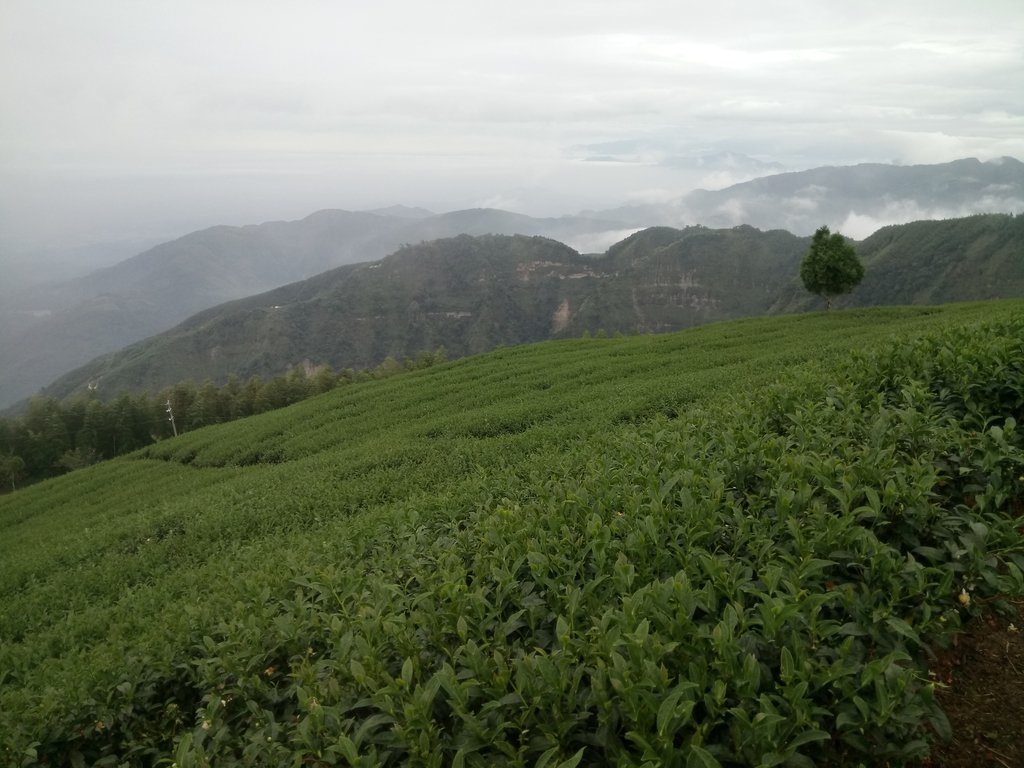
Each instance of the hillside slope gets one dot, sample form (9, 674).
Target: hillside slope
(933, 262)
(57, 327)
(470, 295)
(50, 330)
(466, 294)
(607, 551)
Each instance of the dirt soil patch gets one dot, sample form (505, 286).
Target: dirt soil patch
(982, 693)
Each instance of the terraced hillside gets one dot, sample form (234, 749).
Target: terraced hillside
(735, 545)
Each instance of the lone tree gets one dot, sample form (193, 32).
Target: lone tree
(831, 266)
(12, 470)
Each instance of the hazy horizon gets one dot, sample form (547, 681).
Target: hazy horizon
(132, 123)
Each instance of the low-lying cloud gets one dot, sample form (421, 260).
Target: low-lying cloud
(861, 225)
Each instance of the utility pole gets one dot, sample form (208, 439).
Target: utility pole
(170, 417)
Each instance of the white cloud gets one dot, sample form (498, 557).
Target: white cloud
(599, 242)
(734, 210)
(800, 205)
(327, 103)
(859, 225)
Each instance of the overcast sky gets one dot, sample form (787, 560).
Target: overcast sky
(146, 119)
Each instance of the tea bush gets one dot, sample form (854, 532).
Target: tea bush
(738, 546)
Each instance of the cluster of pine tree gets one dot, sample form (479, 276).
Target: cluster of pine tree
(52, 436)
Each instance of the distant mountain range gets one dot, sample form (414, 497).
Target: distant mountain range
(856, 200)
(471, 294)
(49, 330)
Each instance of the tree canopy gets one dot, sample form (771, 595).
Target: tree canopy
(53, 436)
(831, 266)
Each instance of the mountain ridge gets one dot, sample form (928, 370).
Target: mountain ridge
(48, 330)
(471, 294)
(857, 199)
(57, 327)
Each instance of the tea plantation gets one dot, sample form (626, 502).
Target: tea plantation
(736, 545)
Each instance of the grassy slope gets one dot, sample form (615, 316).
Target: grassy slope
(121, 573)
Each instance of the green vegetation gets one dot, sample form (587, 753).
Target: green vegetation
(735, 545)
(973, 258)
(831, 266)
(53, 437)
(472, 294)
(153, 291)
(931, 262)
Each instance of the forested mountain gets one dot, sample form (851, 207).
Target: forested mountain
(49, 330)
(467, 294)
(470, 294)
(52, 329)
(933, 262)
(856, 199)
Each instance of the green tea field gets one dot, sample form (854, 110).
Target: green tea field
(738, 545)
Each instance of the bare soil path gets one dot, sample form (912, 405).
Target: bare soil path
(982, 693)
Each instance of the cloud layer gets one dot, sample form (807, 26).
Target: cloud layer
(123, 116)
